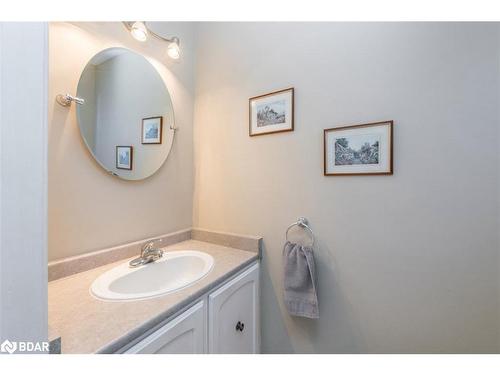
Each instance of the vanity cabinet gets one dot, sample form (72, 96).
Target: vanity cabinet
(225, 320)
(185, 334)
(233, 313)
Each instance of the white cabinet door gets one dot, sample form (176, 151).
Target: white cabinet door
(233, 315)
(185, 334)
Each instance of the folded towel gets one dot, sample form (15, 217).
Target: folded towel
(300, 281)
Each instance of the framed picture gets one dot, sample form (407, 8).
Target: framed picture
(151, 130)
(124, 156)
(271, 113)
(364, 149)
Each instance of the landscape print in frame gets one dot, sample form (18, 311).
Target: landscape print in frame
(124, 157)
(152, 128)
(364, 149)
(271, 113)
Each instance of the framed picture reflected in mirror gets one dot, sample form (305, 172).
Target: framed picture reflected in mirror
(124, 157)
(151, 130)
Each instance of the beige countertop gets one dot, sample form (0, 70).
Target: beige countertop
(88, 325)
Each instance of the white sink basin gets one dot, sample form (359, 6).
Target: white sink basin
(175, 270)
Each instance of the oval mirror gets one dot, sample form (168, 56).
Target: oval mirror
(127, 119)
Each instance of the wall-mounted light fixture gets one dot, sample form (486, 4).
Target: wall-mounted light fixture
(140, 32)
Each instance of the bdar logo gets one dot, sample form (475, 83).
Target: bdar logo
(8, 347)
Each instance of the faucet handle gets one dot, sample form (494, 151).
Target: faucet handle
(152, 242)
(149, 245)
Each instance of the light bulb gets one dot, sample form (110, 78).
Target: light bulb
(139, 31)
(173, 50)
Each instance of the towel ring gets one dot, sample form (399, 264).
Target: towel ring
(302, 223)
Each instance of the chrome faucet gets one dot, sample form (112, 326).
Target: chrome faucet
(149, 253)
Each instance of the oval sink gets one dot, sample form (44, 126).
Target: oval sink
(175, 270)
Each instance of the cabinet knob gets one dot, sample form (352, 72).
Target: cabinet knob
(240, 326)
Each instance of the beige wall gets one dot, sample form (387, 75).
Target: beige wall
(407, 263)
(89, 209)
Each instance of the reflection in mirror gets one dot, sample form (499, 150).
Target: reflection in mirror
(127, 120)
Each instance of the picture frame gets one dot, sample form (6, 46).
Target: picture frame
(271, 113)
(152, 130)
(124, 157)
(355, 150)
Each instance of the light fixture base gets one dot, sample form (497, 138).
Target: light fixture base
(66, 99)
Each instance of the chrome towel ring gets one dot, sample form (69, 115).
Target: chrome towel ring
(302, 223)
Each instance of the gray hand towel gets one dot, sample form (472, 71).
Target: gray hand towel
(300, 281)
